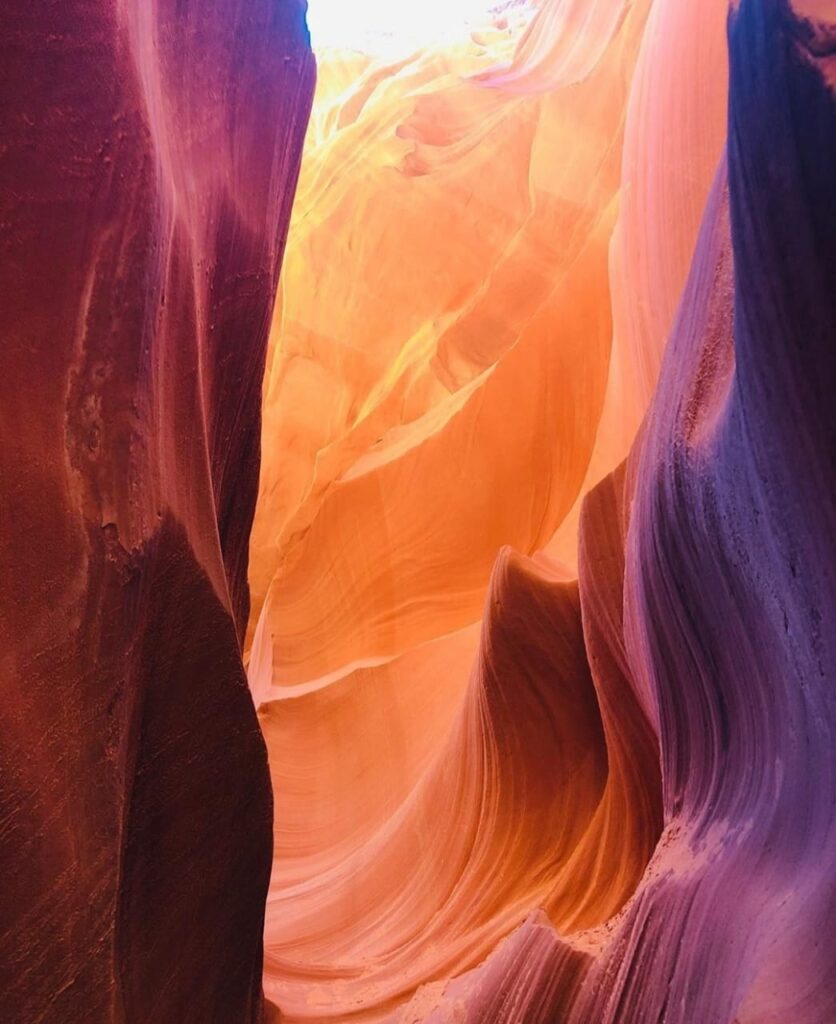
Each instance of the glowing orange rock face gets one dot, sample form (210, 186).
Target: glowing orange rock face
(488, 246)
(504, 359)
(448, 249)
(455, 240)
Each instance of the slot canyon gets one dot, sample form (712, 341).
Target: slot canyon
(418, 512)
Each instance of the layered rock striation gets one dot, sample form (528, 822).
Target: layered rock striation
(571, 526)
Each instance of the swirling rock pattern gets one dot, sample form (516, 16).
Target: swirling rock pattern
(543, 557)
(392, 412)
(150, 150)
(729, 583)
(610, 799)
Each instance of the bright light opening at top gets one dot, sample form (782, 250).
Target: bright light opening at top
(393, 27)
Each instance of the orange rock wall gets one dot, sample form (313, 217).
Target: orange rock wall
(510, 613)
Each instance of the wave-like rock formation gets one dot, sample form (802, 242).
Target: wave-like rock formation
(149, 155)
(729, 584)
(393, 404)
(394, 408)
(541, 653)
(514, 808)
(544, 589)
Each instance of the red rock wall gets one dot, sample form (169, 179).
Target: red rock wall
(149, 157)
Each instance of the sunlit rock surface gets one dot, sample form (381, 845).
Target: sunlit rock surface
(411, 382)
(443, 230)
(543, 547)
(543, 559)
(148, 158)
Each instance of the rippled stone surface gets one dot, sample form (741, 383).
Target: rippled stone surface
(543, 588)
(542, 551)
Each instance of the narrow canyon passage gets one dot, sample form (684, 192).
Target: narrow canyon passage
(418, 459)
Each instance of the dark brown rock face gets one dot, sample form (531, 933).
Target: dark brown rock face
(149, 157)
